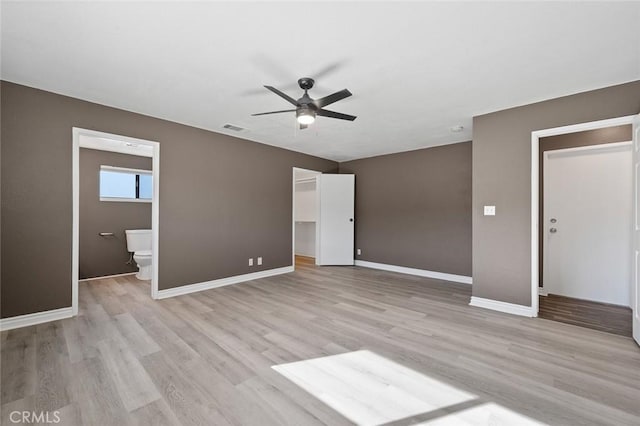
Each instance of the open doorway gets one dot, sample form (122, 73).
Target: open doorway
(323, 218)
(115, 209)
(115, 206)
(305, 215)
(585, 215)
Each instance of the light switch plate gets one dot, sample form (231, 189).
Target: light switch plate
(489, 210)
(251, 261)
(259, 261)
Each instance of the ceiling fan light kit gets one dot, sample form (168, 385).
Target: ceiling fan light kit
(305, 115)
(307, 108)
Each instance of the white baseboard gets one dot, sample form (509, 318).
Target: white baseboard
(542, 292)
(35, 318)
(413, 271)
(496, 305)
(107, 276)
(207, 285)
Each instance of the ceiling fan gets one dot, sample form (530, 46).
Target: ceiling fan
(306, 108)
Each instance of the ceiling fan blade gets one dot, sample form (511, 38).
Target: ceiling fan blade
(338, 115)
(335, 97)
(303, 126)
(274, 112)
(329, 69)
(283, 95)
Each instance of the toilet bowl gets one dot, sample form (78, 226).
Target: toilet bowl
(143, 260)
(139, 243)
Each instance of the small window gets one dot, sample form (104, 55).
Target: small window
(145, 186)
(119, 184)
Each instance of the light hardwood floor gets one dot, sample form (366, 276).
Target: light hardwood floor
(216, 357)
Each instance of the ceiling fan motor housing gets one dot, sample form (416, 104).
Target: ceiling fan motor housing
(306, 83)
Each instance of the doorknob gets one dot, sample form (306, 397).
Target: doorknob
(553, 230)
(350, 219)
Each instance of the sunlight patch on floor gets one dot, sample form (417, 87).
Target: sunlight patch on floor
(369, 389)
(484, 414)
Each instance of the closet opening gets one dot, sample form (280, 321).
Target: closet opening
(305, 212)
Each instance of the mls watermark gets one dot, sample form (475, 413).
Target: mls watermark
(32, 417)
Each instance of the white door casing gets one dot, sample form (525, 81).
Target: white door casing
(587, 192)
(335, 219)
(84, 138)
(304, 213)
(635, 252)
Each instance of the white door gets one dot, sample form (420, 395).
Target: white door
(334, 227)
(587, 217)
(635, 284)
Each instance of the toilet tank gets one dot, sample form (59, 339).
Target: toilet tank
(138, 239)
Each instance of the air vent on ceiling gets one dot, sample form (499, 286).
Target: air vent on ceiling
(233, 127)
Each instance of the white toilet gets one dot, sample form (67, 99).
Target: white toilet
(139, 243)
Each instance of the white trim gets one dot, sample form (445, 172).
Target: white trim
(496, 305)
(155, 220)
(108, 276)
(124, 169)
(293, 212)
(35, 318)
(542, 292)
(535, 199)
(75, 221)
(83, 138)
(603, 146)
(122, 145)
(581, 127)
(318, 252)
(413, 271)
(207, 285)
(126, 200)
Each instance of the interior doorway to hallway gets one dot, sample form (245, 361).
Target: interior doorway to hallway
(585, 218)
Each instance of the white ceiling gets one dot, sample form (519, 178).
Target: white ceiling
(415, 69)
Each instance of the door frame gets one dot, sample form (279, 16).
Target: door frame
(535, 194)
(545, 166)
(293, 212)
(155, 204)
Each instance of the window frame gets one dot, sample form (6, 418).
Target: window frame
(136, 172)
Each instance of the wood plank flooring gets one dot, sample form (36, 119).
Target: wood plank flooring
(598, 316)
(211, 358)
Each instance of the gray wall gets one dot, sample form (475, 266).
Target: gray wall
(413, 208)
(502, 177)
(573, 140)
(100, 256)
(222, 199)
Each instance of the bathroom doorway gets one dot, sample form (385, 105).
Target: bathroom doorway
(124, 184)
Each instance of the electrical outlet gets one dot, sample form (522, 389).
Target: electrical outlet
(489, 210)
(359, 252)
(260, 261)
(251, 261)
